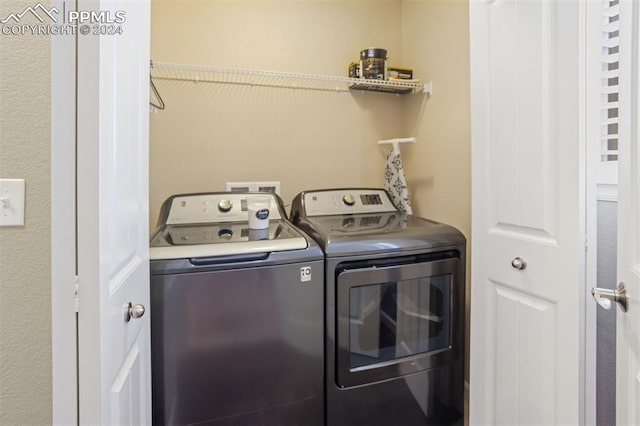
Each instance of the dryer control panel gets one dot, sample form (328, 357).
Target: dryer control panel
(347, 201)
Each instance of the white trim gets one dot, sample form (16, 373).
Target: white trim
(607, 171)
(63, 248)
(592, 127)
(90, 365)
(607, 192)
(627, 405)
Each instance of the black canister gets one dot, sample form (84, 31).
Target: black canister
(373, 63)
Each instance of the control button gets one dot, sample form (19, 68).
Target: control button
(349, 199)
(225, 234)
(348, 222)
(225, 205)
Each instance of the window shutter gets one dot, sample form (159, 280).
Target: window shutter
(607, 172)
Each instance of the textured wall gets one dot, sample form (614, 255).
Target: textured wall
(25, 287)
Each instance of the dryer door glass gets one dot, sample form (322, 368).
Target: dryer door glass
(395, 320)
(399, 319)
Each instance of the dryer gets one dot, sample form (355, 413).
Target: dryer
(394, 309)
(236, 316)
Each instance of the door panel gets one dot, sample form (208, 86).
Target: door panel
(628, 324)
(113, 267)
(126, 388)
(521, 147)
(525, 348)
(526, 180)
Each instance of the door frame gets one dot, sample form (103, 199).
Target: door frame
(64, 345)
(591, 128)
(65, 289)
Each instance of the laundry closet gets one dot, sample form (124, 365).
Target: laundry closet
(256, 91)
(212, 133)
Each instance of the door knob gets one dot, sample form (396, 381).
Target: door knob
(606, 297)
(133, 311)
(519, 263)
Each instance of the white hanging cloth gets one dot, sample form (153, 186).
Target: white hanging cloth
(394, 180)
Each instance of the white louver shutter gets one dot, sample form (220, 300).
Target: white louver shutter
(608, 164)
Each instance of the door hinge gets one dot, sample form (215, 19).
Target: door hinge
(76, 292)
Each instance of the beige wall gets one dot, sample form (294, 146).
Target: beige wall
(25, 277)
(438, 168)
(212, 133)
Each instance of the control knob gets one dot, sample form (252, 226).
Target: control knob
(225, 234)
(349, 199)
(225, 205)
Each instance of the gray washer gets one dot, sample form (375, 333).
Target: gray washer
(236, 319)
(394, 309)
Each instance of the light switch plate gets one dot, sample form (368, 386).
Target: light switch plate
(11, 202)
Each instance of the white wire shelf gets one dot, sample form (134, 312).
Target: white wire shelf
(248, 77)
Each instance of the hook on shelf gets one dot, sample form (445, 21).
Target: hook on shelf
(157, 102)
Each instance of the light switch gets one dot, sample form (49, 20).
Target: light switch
(11, 202)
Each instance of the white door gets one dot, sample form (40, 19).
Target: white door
(527, 212)
(112, 207)
(628, 324)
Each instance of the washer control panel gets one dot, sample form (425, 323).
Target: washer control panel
(217, 207)
(347, 201)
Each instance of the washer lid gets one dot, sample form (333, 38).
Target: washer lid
(349, 235)
(221, 239)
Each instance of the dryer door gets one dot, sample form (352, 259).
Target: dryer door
(395, 320)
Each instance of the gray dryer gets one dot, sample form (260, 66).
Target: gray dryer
(394, 309)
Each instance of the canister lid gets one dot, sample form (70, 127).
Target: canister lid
(373, 52)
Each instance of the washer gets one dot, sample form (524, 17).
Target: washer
(394, 300)
(236, 316)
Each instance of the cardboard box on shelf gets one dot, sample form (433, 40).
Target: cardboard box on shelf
(398, 73)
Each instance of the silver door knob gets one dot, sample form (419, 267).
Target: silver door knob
(133, 311)
(606, 297)
(519, 263)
